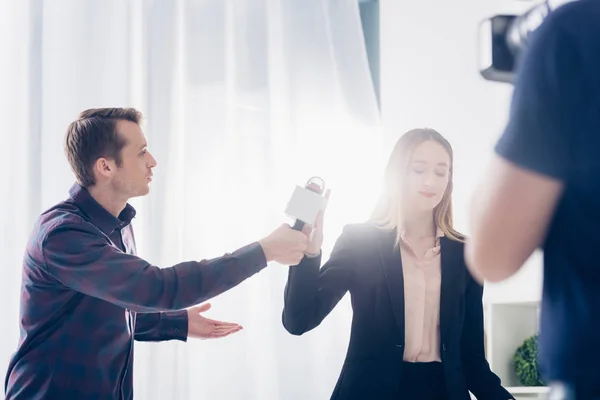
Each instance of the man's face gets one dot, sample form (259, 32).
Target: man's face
(133, 177)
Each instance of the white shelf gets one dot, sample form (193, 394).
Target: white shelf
(507, 327)
(514, 390)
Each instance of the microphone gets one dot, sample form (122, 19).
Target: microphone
(306, 202)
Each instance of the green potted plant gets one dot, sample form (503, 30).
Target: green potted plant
(526, 363)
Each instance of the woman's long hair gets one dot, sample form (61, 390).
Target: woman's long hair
(388, 211)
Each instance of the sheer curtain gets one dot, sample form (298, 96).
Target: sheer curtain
(243, 99)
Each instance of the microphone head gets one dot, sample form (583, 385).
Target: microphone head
(313, 187)
(316, 184)
(306, 202)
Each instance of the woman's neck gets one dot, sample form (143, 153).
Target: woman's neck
(419, 224)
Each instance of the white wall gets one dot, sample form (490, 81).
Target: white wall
(429, 78)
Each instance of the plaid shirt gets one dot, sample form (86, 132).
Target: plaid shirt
(85, 297)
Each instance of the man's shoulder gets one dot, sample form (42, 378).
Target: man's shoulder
(577, 19)
(576, 11)
(63, 215)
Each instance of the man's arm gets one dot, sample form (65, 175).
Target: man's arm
(155, 327)
(510, 216)
(513, 207)
(180, 325)
(79, 257)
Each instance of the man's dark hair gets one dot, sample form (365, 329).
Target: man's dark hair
(94, 135)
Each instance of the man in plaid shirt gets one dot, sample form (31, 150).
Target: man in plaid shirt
(85, 294)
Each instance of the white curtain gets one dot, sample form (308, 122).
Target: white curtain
(243, 99)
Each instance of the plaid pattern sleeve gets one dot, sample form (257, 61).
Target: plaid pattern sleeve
(85, 297)
(81, 258)
(155, 327)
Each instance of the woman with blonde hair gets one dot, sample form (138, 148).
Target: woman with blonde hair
(417, 328)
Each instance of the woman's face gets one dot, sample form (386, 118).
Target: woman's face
(427, 176)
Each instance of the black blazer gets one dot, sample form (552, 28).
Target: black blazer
(365, 262)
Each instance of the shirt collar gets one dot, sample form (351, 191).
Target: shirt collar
(97, 214)
(435, 250)
(438, 234)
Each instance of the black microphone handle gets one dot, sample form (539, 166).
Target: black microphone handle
(298, 225)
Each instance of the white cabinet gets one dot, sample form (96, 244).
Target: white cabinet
(507, 325)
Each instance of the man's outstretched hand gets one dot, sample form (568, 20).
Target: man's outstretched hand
(204, 328)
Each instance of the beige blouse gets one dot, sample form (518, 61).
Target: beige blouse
(422, 286)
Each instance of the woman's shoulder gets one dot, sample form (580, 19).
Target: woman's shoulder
(455, 254)
(363, 236)
(361, 227)
(454, 248)
(365, 231)
(453, 235)
(456, 242)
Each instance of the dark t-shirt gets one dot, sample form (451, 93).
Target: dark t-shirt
(554, 129)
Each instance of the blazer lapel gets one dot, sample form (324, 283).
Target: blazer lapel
(451, 284)
(451, 280)
(392, 268)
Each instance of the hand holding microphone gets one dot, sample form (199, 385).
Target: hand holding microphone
(308, 206)
(284, 245)
(288, 245)
(306, 203)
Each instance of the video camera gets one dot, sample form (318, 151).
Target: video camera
(503, 39)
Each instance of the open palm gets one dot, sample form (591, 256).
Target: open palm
(205, 328)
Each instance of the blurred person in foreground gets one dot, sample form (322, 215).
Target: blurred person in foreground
(542, 191)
